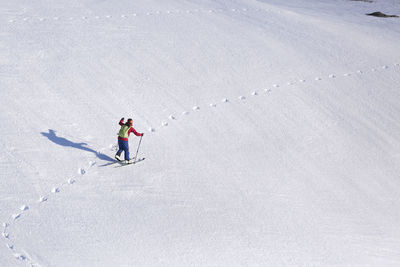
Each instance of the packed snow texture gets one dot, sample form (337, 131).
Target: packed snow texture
(272, 133)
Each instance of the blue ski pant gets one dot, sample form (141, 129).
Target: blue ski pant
(123, 146)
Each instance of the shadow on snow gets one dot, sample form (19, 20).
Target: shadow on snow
(51, 135)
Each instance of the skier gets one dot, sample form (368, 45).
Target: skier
(123, 144)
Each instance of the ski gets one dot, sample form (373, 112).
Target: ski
(133, 163)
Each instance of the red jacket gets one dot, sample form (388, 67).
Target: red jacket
(131, 130)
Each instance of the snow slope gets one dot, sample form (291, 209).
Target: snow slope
(272, 133)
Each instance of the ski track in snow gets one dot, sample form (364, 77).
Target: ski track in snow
(268, 90)
(24, 209)
(133, 15)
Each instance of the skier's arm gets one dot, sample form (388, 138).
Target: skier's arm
(132, 130)
(121, 122)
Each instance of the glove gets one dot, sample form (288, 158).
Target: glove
(122, 119)
(142, 134)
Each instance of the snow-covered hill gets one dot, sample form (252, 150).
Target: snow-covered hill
(272, 133)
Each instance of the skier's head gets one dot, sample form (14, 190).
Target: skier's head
(129, 122)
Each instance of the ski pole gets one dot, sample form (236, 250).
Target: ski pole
(140, 141)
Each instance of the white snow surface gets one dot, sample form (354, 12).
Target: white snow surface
(272, 133)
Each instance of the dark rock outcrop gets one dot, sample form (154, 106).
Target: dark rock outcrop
(382, 15)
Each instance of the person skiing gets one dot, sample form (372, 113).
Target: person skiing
(123, 144)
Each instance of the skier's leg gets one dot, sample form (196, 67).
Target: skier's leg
(121, 148)
(126, 149)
